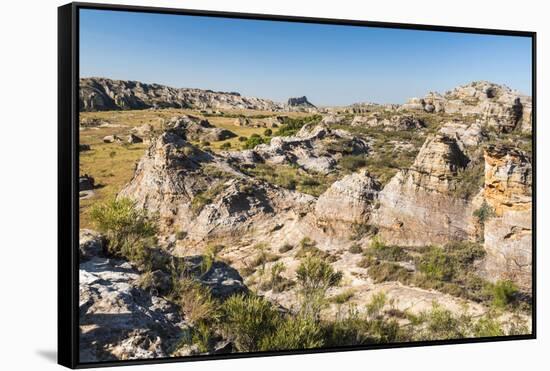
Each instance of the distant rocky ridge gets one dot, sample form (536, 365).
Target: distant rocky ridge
(101, 94)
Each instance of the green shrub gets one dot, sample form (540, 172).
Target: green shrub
(295, 333)
(291, 126)
(441, 324)
(487, 327)
(253, 141)
(343, 297)
(195, 301)
(268, 132)
(504, 294)
(243, 139)
(315, 276)
(226, 145)
(437, 264)
(201, 336)
(384, 271)
(128, 229)
(375, 305)
(247, 320)
(484, 212)
(381, 251)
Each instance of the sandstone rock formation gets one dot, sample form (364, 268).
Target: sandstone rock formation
(508, 234)
(350, 199)
(198, 130)
(100, 94)
(395, 122)
(466, 134)
(497, 105)
(188, 189)
(314, 147)
(417, 207)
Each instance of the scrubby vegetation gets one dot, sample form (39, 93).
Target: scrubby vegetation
(130, 231)
(290, 126)
(291, 177)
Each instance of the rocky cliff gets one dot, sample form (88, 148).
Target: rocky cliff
(101, 94)
(508, 232)
(417, 207)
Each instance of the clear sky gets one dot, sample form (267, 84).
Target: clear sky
(331, 65)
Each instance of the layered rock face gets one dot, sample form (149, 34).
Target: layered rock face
(416, 207)
(466, 134)
(508, 234)
(497, 105)
(349, 200)
(100, 94)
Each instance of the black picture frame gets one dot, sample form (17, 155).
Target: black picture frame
(68, 160)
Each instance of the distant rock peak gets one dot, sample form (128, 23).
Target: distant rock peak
(300, 102)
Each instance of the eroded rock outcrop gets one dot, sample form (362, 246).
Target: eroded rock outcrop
(417, 207)
(497, 105)
(197, 129)
(349, 200)
(203, 194)
(395, 122)
(314, 147)
(508, 234)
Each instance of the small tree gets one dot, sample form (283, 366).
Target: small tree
(315, 277)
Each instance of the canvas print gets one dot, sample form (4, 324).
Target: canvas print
(262, 185)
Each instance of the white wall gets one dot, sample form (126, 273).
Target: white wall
(28, 57)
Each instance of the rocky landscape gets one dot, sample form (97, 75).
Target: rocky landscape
(231, 224)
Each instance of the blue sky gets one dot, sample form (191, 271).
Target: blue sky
(331, 65)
